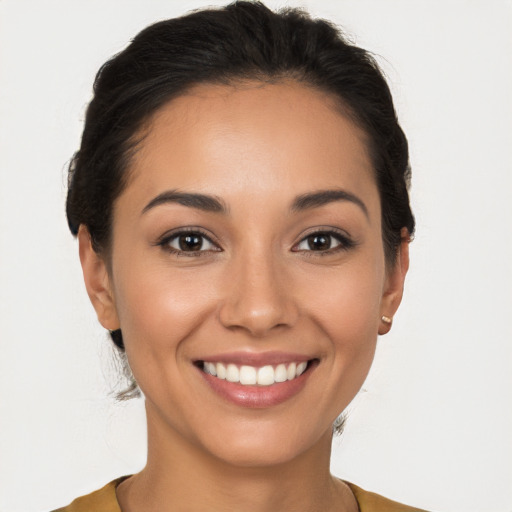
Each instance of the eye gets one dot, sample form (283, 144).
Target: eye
(191, 242)
(324, 241)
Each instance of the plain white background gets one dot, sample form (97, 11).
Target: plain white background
(432, 426)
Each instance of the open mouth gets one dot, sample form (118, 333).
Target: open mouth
(256, 376)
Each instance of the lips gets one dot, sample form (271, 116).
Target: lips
(256, 381)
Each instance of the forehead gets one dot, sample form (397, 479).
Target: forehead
(251, 138)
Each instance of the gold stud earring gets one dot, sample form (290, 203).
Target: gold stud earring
(386, 319)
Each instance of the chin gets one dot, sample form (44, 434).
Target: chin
(263, 444)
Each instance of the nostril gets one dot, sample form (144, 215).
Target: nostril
(257, 321)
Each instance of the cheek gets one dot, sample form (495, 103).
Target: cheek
(159, 312)
(158, 309)
(348, 312)
(349, 305)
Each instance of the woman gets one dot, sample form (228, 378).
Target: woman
(240, 201)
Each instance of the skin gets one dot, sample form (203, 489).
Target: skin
(258, 287)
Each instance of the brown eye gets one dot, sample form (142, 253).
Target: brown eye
(319, 242)
(189, 241)
(324, 242)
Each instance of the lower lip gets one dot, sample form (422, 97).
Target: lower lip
(257, 397)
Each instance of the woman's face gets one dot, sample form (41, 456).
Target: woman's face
(248, 243)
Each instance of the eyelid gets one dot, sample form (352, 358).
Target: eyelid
(164, 240)
(345, 240)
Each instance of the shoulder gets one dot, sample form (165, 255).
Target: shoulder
(371, 502)
(103, 500)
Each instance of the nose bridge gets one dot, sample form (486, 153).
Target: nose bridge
(257, 299)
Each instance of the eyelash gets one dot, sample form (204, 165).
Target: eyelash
(166, 240)
(344, 243)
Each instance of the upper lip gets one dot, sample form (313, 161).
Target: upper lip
(256, 359)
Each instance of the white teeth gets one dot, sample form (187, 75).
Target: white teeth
(266, 376)
(250, 375)
(212, 370)
(292, 371)
(232, 373)
(221, 370)
(281, 374)
(300, 368)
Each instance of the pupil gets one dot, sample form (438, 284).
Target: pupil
(319, 242)
(190, 242)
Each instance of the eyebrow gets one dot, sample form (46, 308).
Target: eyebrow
(203, 202)
(323, 197)
(215, 204)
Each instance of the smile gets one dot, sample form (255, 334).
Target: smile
(255, 376)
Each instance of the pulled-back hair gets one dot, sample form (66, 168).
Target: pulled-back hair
(239, 42)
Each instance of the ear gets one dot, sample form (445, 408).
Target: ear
(394, 284)
(97, 281)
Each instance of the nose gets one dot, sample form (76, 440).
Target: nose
(259, 299)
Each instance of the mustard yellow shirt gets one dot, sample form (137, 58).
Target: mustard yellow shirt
(105, 500)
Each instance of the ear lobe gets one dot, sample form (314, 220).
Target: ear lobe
(394, 285)
(97, 281)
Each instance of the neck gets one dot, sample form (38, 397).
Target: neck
(179, 475)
